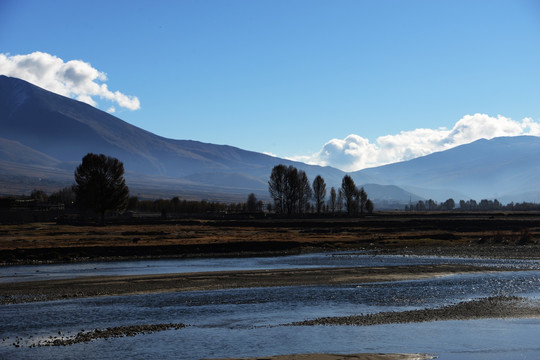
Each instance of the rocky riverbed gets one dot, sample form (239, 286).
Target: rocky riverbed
(86, 336)
(21, 292)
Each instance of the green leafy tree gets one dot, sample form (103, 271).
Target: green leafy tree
(100, 185)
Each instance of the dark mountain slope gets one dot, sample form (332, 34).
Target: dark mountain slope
(66, 130)
(52, 124)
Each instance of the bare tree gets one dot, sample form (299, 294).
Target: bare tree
(350, 194)
(362, 199)
(449, 204)
(64, 196)
(39, 195)
(277, 187)
(339, 204)
(251, 204)
(333, 199)
(420, 206)
(291, 189)
(319, 193)
(304, 192)
(369, 206)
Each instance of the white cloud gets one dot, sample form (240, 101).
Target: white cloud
(355, 152)
(75, 78)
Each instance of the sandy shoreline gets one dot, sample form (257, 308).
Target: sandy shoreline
(20, 292)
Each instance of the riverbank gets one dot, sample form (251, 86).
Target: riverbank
(501, 235)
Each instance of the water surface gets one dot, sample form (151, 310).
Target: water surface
(245, 322)
(169, 266)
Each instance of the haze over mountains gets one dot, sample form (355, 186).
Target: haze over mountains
(505, 168)
(43, 137)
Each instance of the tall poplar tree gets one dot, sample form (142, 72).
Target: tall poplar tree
(319, 193)
(333, 200)
(349, 190)
(277, 187)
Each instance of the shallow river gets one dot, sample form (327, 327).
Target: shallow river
(242, 322)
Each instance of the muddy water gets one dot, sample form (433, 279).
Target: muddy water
(244, 322)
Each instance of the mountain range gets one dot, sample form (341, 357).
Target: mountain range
(43, 137)
(505, 168)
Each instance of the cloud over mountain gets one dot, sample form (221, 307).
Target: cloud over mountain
(355, 152)
(75, 78)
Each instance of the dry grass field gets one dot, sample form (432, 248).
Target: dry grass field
(203, 237)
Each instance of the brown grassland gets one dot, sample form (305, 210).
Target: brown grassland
(429, 233)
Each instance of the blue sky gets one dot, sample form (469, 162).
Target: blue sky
(343, 83)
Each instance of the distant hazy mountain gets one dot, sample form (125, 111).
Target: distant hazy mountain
(43, 137)
(506, 168)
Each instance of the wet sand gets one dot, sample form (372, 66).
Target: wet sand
(20, 292)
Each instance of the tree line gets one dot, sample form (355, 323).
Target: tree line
(471, 205)
(292, 193)
(100, 187)
(176, 205)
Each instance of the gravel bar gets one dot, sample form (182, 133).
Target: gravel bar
(482, 308)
